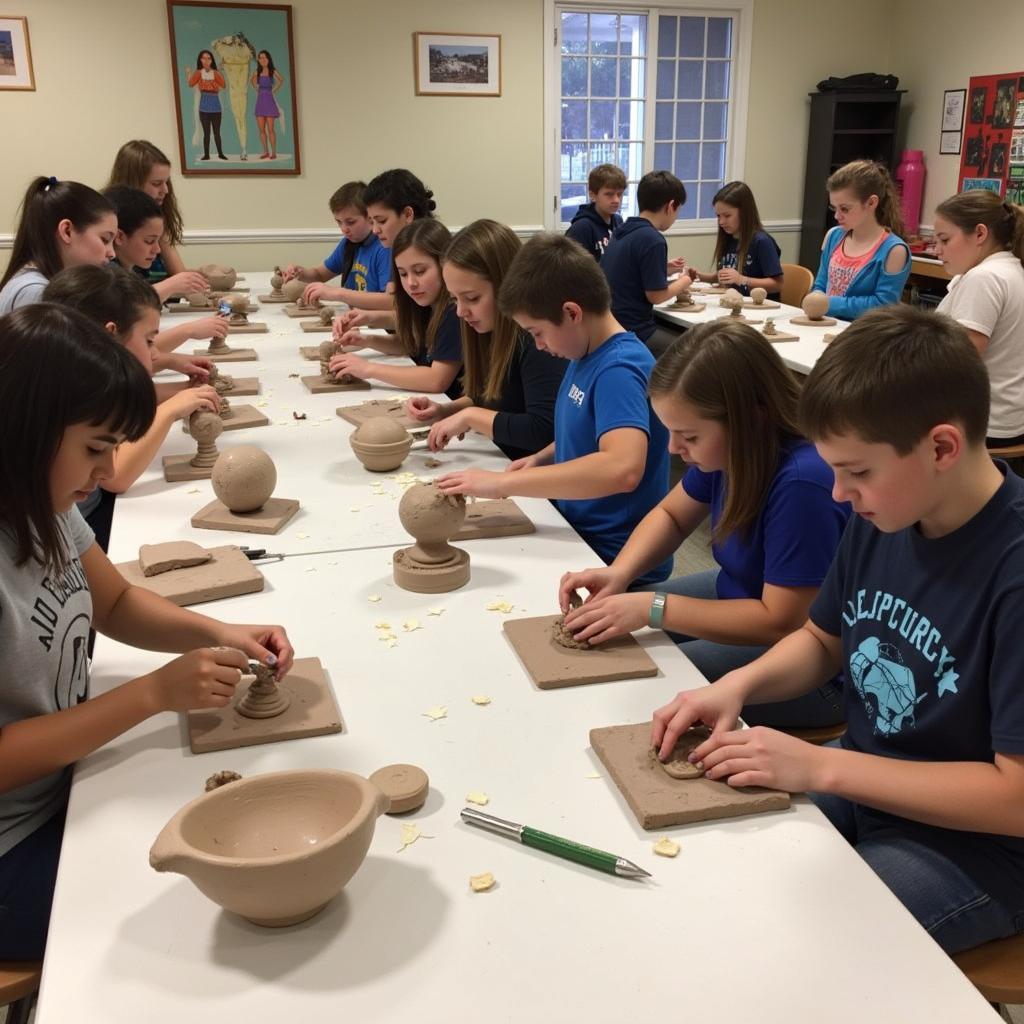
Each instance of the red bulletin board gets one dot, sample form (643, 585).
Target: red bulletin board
(993, 152)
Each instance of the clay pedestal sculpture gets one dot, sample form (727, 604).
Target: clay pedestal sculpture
(773, 334)
(323, 323)
(498, 517)
(276, 294)
(205, 427)
(243, 480)
(236, 417)
(292, 290)
(220, 352)
(431, 565)
(228, 384)
(380, 444)
(733, 301)
(274, 848)
(759, 299)
(815, 306)
(659, 800)
(327, 382)
(552, 665)
(405, 785)
(265, 710)
(390, 407)
(684, 304)
(239, 322)
(220, 278)
(205, 302)
(225, 572)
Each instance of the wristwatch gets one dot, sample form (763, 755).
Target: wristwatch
(657, 609)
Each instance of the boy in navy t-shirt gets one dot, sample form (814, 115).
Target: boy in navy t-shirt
(595, 222)
(608, 465)
(922, 609)
(637, 264)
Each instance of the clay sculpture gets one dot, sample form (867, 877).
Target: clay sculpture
(219, 350)
(221, 279)
(405, 785)
(324, 322)
(815, 306)
(563, 636)
(684, 303)
(274, 848)
(773, 334)
(239, 322)
(205, 427)
(381, 444)
(243, 480)
(431, 565)
(276, 294)
(263, 698)
(678, 765)
(292, 290)
(758, 295)
(733, 301)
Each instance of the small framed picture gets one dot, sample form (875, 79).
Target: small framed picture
(990, 184)
(457, 65)
(979, 94)
(1006, 103)
(950, 142)
(953, 101)
(15, 55)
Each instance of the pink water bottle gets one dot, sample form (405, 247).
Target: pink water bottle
(910, 185)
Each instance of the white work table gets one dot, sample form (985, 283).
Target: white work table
(771, 918)
(799, 355)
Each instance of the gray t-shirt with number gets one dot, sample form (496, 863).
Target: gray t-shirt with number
(44, 635)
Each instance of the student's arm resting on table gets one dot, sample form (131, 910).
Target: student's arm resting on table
(892, 276)
(681, 284)
(434, 378)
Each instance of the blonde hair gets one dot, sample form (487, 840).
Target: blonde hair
(132, 167)
(866, 178)
(1005, 221)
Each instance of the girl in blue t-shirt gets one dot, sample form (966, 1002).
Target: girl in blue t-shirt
(729, 404)
(426, 325)
(746, 256)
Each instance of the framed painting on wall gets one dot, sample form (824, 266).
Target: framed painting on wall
(457, 65)
(15, 55)
(234, 77)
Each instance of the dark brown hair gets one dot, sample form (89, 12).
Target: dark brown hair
(893, 375)
(731, 374)
(350, 194)
(1005, 221)
(106, 295)
(398, 188)
(47, 202)
(865, 178)
(605, 176)
(416, 325)
(549, 271)
(656, 188)
(57, 369)
(487, 249)
(737, 194)
(132, 166)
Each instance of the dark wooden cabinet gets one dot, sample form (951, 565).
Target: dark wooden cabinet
(844, 126)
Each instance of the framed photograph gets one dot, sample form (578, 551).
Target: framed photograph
(1016, 151)
(953, 110)
(978, 97)
(15, 55)
(997, 160)
(1006, 103)
(950, 142)
(457, 65)
(976, 152)
(233, 68)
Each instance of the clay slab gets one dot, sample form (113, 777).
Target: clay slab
(780, 336)
(155, 559)
(805, 321)
(313, 711)
(228, 574)
(318, 386)
(244, 386)
(552, 666)
(658, 800)
(357, 414)
(315, 327)
(253, 327)
(236, 355)
(242, 416)
(184, 307)
(269, 519)
(299, 311)
(500, 517)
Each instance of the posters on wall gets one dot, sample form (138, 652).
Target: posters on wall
(993, 151)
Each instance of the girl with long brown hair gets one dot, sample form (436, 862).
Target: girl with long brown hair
(729, 404)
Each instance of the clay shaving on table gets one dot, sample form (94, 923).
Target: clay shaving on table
(482, 882)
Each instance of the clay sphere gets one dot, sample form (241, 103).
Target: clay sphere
(240, 304)
(198, 299)
(205, 426)
(327, 349)
(244, 478)
(221, 278)
(292, 290)
(758, 295)
(276, 279)
(815, 305)
(731, 298)
(381, 444)
(275, 848)
(431, 517)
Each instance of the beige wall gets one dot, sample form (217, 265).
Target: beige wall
(104, 76)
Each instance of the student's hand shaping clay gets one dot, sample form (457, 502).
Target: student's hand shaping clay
(477, 483)
(269, 645)
(441, 433)
(209, 327)
(204, 678)
(603, 618)
(717, 707)
(763, 757)
(677, 266)
(424, 409)
(188, 401)
(356, 366)
(292, 270)
(196, 368)
(315, 292)
(729, 275)
(184, 283)
(597, 582)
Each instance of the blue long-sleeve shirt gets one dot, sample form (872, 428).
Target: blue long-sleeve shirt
(871, 286)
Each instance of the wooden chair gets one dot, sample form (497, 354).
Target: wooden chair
(996, 969)
(19, 982)
(819, 735)
(1014, 456)
(796, 283)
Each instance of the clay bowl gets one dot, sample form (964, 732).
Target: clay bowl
(274, 848)
(380, 444)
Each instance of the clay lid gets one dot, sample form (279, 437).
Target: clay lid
(404, 784)
(380, 430)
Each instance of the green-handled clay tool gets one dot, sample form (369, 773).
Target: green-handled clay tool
(587, 855)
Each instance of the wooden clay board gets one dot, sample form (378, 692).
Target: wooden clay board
(228, 575)
(658, 800)
(252, 327)
(315, 327)
(748, 303)
(184, 307)
(500, 517)
(236, 355)
(551, 665)
(393, 408)
(272, 518)
(242, 416)
(313, 711)
(318, 386)
(780, 336)
(244, 387)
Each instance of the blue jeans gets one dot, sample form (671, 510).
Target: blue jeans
(949, 904)
(820, 707)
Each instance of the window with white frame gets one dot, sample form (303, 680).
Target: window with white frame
(645, 88)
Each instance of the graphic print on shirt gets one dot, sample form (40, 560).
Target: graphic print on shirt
(839, 278)
(72, 678)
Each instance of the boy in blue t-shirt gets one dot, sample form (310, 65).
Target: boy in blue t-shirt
(363, 264)
(595, 222)
(637, 264)
(608, 465)
(922, 609)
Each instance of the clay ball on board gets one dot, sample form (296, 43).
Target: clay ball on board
(815, 305)
(430, 516)
(380, 430)
(240, 304)
(758, 295)
(731, 298)
(220, 277)
(244, 478)
(292, 290)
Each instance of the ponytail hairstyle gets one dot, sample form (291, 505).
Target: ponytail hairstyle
(487, 249)
(132, 166)
(731, 374)
(866, 178)
(415, 325)
(738, 195)
(57, 369)
(106, 295)
(1005, 221)
(398, 188)
(47, 202)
